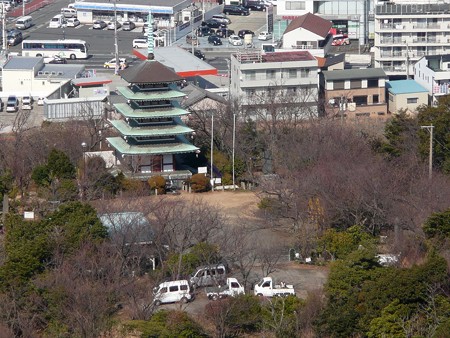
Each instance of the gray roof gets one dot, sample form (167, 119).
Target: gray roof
(353, 74)
(130, 227)
(22, 62)
(56, 71)
(334, 59)
(196, 94)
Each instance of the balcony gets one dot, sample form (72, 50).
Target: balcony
(391, 41)
(391, 26)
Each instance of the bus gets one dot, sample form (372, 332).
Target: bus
(66, 49)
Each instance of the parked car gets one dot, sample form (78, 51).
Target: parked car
(14, 37)
(235, 40)
(99, 24)
(198, 53)
(203, 31)
(27, 102)
(232, 288)
(111, 25)
(128, 26)
(235, 10)
(40, 101)
(267, 288)
(243, 32)
(224, 32)
(173, 291)
(112, 63)
(192, 39)
(72, 22)
(264, 36)
(255, 5)
(221, 18)
(214, 40)
(209, 275)
(55, 59)
(213, 24)
(57, 21)
(12, 105)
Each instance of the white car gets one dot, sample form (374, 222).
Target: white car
(27, 102)
(235, 40)
(110, 25)
(112, 63)
(264, 36)
(72, 22)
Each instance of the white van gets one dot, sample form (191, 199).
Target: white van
(69, 12)
(174, 291)
(24, 22)
(140, 43)
(57, 21)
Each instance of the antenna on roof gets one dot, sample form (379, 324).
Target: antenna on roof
(150, 39)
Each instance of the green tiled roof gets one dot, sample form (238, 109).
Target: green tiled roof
(182, 146)
(129, 112)
(162, 130)
(157, 95)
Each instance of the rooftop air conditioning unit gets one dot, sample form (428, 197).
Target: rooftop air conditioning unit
(53, 73)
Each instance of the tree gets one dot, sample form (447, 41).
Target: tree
(437, 226)
(199, 183)
(157, 183)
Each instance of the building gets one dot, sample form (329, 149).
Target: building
(352, 17)
(308, 32)
(152, 135)
(405, 32)
(284, 77)
(23, 75)
(354, 93)
(433, 73)
(406, 95)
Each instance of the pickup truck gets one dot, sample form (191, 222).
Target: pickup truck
(232, 288)
(267, 288)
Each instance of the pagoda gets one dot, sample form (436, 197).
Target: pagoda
(152, 133)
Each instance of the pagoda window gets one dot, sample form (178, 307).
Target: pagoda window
(155, 139)
(145, 87)
(151, 104)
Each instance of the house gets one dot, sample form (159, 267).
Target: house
(433, 73)
(152, 137)
(405, 31)
(331, 62)
(353, 93)
(406, 95)
(308, 32)
(280, 77)
(201, 100)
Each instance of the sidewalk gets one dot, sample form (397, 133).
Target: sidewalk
(29, 7)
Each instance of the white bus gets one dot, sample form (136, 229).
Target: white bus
(67, 49)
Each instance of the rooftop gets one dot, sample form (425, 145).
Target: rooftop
(435, 62)
(288, 56)
(55, 71)
(404, 87)
(312, 23)
(414, 8)
(353, 74)
(22, 63)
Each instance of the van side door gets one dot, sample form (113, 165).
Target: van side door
(174, 294)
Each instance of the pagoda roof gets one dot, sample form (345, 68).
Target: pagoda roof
(150, 71)
(181, 145)
(129, 112)
(161, 130)
(150, 96)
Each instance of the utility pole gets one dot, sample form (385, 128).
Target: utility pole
(212, 150)
(192, 32)
(407, 62)
(234, 143)
(430, 158)
(23, 7)
(116, 46)
(5, 43)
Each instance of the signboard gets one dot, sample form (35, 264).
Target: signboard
(28, 214)
(269, 19)
(202, 170)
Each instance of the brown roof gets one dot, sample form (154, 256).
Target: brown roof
(312, 23)
(303, 55)
(150, 71)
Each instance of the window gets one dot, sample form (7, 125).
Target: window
(412, 100)
(183, 287)
(339, 85)
(291, 90)
(173, 288)
(375, 99)
(304, 72)
(270, 74)
(250, 75)
(360, 100)
(220, 271)
(266, 284)
(355, 84)
(292, 73)
(391, 97)
(295, 5)
(163, 290)
(234, 285)
(372, 83)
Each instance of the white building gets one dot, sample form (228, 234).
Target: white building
(406, 31)
(309, 32)
(433, 73)
(286, 77)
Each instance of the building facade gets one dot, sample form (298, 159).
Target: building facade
(433, 73)
(354, 93)
(288, 76)
(405, 32)
(406, 95)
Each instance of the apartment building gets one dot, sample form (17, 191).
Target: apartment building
(407, 31)
(259, 79)
(354, 93)
(432, 72)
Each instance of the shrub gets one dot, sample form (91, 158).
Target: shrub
(199, 183)
(157, 183)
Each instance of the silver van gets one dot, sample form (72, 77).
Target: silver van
(221, 18)
(24, 22)
(12, 105)
(209, 275)
(140, 43)
(14, 37)
(69, 12)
